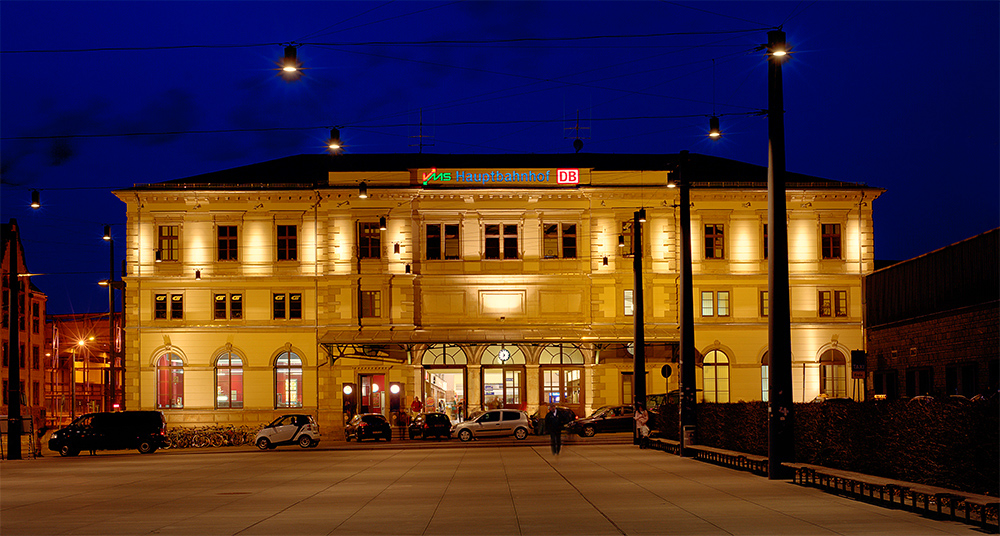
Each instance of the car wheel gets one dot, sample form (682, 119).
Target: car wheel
(588, 431)
(413, 435)
(147, 447)
(305, 441)
(388, 437)
(347, 437)
(67, 450)
(520, 433)
(465, 435)
(263, 443)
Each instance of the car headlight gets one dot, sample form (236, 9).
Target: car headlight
(54, 435)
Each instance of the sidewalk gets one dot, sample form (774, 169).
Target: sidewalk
(587, 490)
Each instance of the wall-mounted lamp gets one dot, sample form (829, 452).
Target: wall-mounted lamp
(197, 275)
(363, 190)
(395, 248)
(605, 260)
(159, 256)
(381, 224)
(621, 240)
(642, 215)
(35, 199)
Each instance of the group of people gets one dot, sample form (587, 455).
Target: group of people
(554, 424)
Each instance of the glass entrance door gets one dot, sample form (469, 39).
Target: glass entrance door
(372, 393)
(502, 388)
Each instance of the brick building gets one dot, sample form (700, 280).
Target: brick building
(933, 326)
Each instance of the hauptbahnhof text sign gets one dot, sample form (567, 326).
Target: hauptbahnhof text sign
(498, 177)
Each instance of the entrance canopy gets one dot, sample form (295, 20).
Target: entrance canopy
(597, 334)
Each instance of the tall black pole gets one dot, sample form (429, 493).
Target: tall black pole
(688, 379)
(109, 405)
(781, 419)
(13, 348)
(639, 353)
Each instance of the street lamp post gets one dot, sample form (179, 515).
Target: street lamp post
(639, 353)
(781, 419)
(688, 376)
(13, 348)
(110, 395)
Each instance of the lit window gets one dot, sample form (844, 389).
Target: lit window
(169, 382)
(831, 240)
(714, 242)
(840, 302)
(288, 381)
(833, 374)
(229, 381)
(825, 303)
(627, 250)
(629, 306)
(765, 363)
(715, 303)
(169, 243)
(371, 304)
(765, 304)
(716, 376)
(227, 243)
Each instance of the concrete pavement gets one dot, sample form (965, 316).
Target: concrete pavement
(496, 488)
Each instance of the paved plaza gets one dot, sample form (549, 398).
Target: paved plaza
(497, 487)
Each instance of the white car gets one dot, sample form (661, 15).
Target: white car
(494, 423)
(297, 429)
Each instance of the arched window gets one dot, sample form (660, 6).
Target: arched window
(765, 362)
(503, 377)
(561, 369)
(169, 382)
(288, 381)
(716, 376)
(833, 374)
(229, 381)
(444, 354)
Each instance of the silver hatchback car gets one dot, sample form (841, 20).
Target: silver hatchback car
(493, 423)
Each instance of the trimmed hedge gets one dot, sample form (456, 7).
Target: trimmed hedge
(938, 443)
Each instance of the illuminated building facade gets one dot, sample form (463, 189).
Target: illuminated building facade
(473, 281)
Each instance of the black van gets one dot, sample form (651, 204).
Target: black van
(145, 431)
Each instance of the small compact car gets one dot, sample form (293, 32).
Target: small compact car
(299, 430)
(433, 424)
(604, 420)
(494, 423)
(368, 425)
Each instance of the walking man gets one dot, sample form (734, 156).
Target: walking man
(554, 424)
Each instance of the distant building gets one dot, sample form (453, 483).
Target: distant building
(30, 323)
(933, 322)
(498, 280)
(80, 351)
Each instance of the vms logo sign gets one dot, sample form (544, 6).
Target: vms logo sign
(567, 176)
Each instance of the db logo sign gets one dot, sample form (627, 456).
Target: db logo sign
(567, 176)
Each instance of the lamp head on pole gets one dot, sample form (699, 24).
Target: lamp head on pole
(363, 190)
(776, 46)
(35, 200)
(291, 69)
(107, 232)
(334, 143)
(713, 128)
(642, 215)
(381, 224)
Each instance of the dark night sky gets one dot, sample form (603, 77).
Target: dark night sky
(899, 95)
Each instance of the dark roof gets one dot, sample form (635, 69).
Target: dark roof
(311, 170)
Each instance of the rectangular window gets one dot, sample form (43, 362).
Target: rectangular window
(714, 242)
(764, 243)
(176, 306)
(371, 304)
(227, 243)
(169, 243)
(625, 239)
(220, 306)
(831, 240)
(295, 306)
(20, 358)
(35, 358)
(288, 243)
(501, 241)
(35, 390)
(722, 302)
(278, 307)
(235, 306)
(442, 239)
(825, 303)
(629, 306)
(4, 352)
(765, 304)
(559, 240)
(369, 241)
(35, 320)
(707, 303)
(5, 388)
(160, 307)
(840, 303)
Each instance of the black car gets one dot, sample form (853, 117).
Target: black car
(604, 420)
(430, 425)
(368, 426)
(537, 418)
(144, 431)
